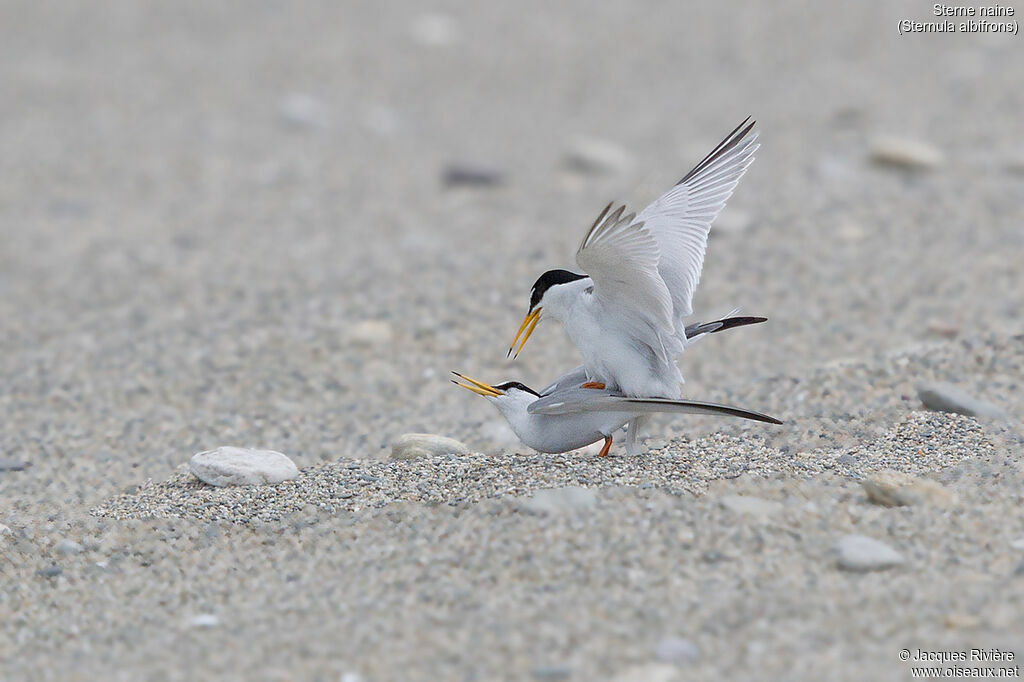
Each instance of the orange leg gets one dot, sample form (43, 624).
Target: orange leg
(593, 384)
(607, 446)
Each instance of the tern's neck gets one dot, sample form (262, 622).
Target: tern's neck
(562, 298)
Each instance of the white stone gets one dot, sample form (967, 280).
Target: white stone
(676, 650)
(413, 445)
(897, 489)
(750, 506)
(905, 153)
(861, 553)
(304, 111)
(650, 672)
(435, 30)
(560, 500)
(370, 332)
(204, 620)
(68, 547)
(241, 466)
(1017, 544)
(592, 155)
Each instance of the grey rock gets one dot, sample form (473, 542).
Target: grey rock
(303, 111)
(50, 571)
(560, 500)
(241, 466)
(68, 547)
(941, 396)
(551, 672)
(13, 465)
(900, 152)
(750, 506)
(415, 445)
(897, 489)
(676, 650)
(861, 553)
(470, 175)
(649, 672)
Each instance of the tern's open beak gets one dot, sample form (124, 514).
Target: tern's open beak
(529, 324)
(477, 387)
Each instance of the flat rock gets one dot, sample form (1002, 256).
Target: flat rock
(941, 396)
(750, 506)
(650, 672)
(414, 445)
(861, 553)
(901, 152)
(13, 465)
(203, 620)
(560, 500)
(241, 466)
(300, 110)
(471, 175)
(593, 155)
(370, 332)
(676, 650)
(68, 547)
(897, 489)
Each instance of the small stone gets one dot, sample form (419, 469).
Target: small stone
(850, 232)
(5, 531)
(551, 672)
(241, 466)
(905, 153)
(897, 489)
(560, 500)
(946, 330)
(961, 620)
(14, 465)
(304, 111)
(941, 396)
(370, 332)
(50, 571)
(750, 506)
(470, 175)
(1015, 544)
(68, 547)
(414, 445)
(651, 672)
(593, 155)
(732, 221)
(204, 620)
(434, 30)
(861, 553)
(676, 650)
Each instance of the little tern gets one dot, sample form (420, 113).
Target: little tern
(573, 417)
(626, 314)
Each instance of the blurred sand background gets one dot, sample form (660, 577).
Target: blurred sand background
(228, 223)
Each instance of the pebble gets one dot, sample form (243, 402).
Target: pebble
(303, 111)
(560, 500)
(415, 445)
(676, 650)
(732, 221)
(13, 465)
(470, 175)
(861, 553)
(900, 152)
(750, 506)
(204, 620)
(551, 672)
(435, 30)
(897, 489)
(1015, 544)
(370, 332)
(68, 547)
(941, 396)
(50, 571)
(593, 156)
(241, 466)
(650, 672)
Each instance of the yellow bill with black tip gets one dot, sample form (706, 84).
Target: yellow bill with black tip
(525, 330)
(478, 387)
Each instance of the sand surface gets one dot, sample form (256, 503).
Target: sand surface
(229, 224)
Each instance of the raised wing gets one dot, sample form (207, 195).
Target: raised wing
(586, 400)
(621, 256)
(571, 379)
(680, 219)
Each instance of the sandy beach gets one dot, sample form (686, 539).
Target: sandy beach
(280, 226)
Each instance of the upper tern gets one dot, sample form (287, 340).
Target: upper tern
(573, 417)
(626, 314)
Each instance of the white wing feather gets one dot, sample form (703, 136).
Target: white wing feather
(621, 255)
(680, 219)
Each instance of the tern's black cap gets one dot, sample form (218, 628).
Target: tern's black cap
(515, 384)
(548, 280)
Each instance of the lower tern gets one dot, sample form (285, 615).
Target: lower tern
(625, 315)
(574, 417)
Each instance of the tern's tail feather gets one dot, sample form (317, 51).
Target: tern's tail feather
(651, 405)
(695, 331)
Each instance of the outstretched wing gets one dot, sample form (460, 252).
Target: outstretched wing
(621, 256)
(680, 219)
(586, 400)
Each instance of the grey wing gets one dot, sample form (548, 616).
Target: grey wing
(572, 378)
(681, 218)
(587, 400)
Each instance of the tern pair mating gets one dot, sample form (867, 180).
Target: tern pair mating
(626, 314)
